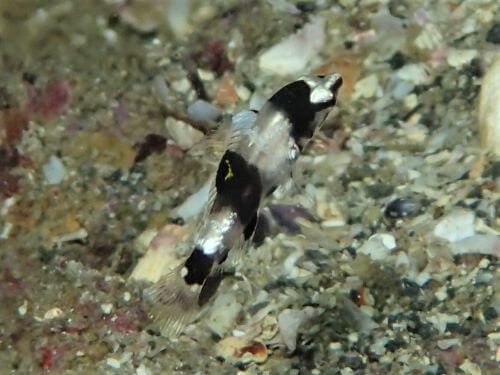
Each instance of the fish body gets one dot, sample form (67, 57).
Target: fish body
(260, 157)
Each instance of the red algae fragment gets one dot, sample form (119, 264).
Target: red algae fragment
(51, 101)
(152, 143)
(10, 285)
(9, 184)
(125, 321)
(214, 57)
(46, 360)
(14, 122)
(451, 358)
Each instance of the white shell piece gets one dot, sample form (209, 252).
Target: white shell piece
(291, 55)
(489, 109)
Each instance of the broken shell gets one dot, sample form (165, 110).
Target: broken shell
(489, 109)
(238, 349)
(160, 256)
(53, 313)
(291, 55)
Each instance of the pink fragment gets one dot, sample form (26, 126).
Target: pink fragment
(51, 101)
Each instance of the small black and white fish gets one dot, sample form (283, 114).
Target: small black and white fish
(260, 157)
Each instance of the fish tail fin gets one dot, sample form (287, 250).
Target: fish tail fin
(175, 303)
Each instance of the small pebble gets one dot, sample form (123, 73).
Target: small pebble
(470, 368)
(224, 312)
(55, 312)
(106, 308)
(447, 343)
(183, 134)
(143, 370)
(440, 320)
(181, 85)
(289, 321)
(366, 87)
(334, 346)
(126, 296)
(202, 110)
(378, 247)
(458, 58)
(54, 171)
(23, 309)
(113, 363)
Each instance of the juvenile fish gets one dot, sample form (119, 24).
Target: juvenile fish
(260, 157)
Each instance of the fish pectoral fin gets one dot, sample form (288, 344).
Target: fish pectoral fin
(174, 303)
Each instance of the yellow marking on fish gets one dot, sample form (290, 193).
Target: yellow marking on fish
(230, 173)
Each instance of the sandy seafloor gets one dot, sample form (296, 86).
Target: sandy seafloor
(87, 164)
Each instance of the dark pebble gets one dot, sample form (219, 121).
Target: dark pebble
(473, 69)
(176, 220)
(378, 191)
(476, 192)
(359, 172)
(306, 6)
(493, 171)
(348, 44)
(352, 361)
(402, 207)
(410, 288)
(393, 345)
(426, 331)
(490, 313)
(354, 295)
(397, 61)
(440, 370)
(457, 328)
(493, 35)
(450, 292)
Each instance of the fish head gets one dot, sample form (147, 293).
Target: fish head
(306, 102)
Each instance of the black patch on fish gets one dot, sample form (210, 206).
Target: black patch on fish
(250, 228)
(293, 100)
(198, 266)
(209, 287)
(238, 185)
(262, 230)
(223, 256)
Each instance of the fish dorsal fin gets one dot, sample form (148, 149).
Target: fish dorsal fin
(204, 217)
(242, 125)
